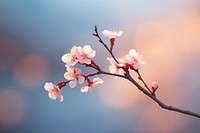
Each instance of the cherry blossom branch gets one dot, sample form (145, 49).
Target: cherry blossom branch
(150, 93)
(112, 40)
(96, 34)
(54, 91)
(118, 68)
(160, 103)
(92, 65)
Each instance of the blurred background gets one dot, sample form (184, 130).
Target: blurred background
(34, 34)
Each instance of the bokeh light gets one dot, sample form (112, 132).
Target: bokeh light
(153, 123)
(8, 52)
(35, 34)
(31, 70)
(13, 107)
(119, 93)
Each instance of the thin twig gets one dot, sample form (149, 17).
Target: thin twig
(141, 79)
(101, 41)
(154, 98)
(162, 105)
(112, 74)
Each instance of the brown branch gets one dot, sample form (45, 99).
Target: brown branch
(147, 93)
(160, 103)
(96, 34)
(141, 79)
(154, 98)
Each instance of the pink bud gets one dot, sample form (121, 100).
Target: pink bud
(154, 86)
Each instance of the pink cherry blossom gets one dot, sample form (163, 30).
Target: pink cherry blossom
(91, 85)
(79, 54)
(134, 59)
(116, 67)
(112, 34)
(53, 91)
(71, 58)
(85, 54)
(74, 74)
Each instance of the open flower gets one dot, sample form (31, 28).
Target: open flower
(53, 91)
(115, 67)
(71, 58)
(133, 59)
(85, 54)
(74, 75)
(79, 54)
(92, 84)
(112, 34)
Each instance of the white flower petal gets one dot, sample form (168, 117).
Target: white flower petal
(133, 53)
(129, 59)
(87, 48)
(87, 61)
(113, 68)
(106, 33)
(108, 58)
(70, 69)
(121, 71)
(97, 80)
(81, 79)
(68, 75)
(79, 52)
(77, 70)
(112, 34)
(137, 66)
(92, 54)
(60, 97)
(112, 61)
(120, 33)
(71, 63)
(73, 83)
(52, 95)
(49, 86)
(74, 49)
(85, 89)
(66, 58)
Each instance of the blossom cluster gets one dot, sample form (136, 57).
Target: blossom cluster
(83, 56)
(132, 60)
(79, 54)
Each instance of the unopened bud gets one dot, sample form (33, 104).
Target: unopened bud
(154, 86)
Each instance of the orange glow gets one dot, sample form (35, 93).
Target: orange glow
(166, 46)
(13, 107)
(158, 120)
(118, 93)
(31, 70)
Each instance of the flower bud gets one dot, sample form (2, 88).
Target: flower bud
(154, 86)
